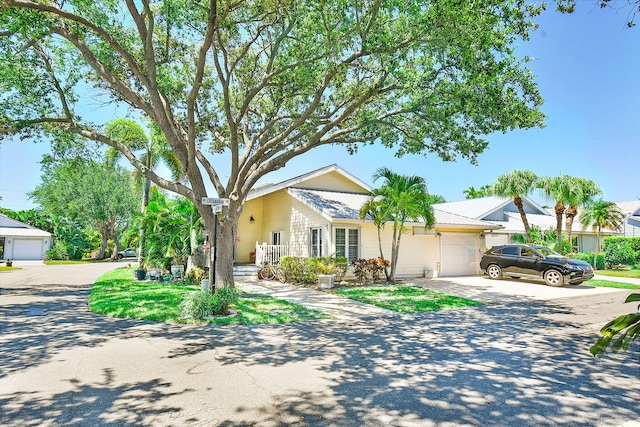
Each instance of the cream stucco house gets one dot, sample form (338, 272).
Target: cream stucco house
(316, 214)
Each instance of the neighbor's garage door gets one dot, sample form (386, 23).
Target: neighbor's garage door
(458, 254)
(27, 249)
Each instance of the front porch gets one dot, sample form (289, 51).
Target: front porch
(269, 254)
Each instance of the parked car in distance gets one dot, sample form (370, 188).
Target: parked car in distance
(127, 253)
(534, 261)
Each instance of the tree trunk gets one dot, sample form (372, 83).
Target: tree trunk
(570, 213)
(224, 253)
(386, 269)
(559, 208)
(146, 189)
(104, 233)
(517, 200)
(394, 249)
(222, 231)
(114, 236)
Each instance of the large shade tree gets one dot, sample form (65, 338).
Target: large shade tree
(238, 89)
(399, 199)
(515, 185)
(93, 192)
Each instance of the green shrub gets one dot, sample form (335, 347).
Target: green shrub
(360, 268)
(306, 270)
(588, 257)
(298, 269)
(619, 251)
(58, 251)
(199, 305)
(195, 275)
(368, 269)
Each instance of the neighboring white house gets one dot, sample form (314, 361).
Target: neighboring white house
(502, 211)
(316, 214)
(19, 241)
(631, 211)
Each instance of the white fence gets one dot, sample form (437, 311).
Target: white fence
(270, 253)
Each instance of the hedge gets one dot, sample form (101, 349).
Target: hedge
(306, 270)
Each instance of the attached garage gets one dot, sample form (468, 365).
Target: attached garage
(459, 254)
(24, 249)
(19, 241)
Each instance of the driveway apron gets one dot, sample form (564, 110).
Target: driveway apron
(507, 362)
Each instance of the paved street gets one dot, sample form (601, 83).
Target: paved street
(521, 359)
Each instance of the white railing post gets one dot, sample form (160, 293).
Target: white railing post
(270, 254)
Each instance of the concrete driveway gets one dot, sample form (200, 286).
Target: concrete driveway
(521, 361)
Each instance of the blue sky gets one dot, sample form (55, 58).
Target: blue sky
(587, 66)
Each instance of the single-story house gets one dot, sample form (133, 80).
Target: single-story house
(19, 241)
(631, 211)
(316, 214)
(503, 212)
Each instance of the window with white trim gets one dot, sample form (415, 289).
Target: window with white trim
(316, 242)
(347, 243)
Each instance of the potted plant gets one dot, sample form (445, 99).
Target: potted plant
(141, 273)
(325, 271)
(177, 268)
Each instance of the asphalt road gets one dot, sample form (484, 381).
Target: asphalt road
(518, 360)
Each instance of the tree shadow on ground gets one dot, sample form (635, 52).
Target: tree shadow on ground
(131, 404)
(493, 365)
(498, 364)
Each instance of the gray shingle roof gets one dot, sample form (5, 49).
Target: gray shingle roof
(335, 205)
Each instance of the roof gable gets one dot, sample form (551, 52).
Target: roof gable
(330, 178)
(630, 208)
(7, 222)
(15, 228)
(491, 208)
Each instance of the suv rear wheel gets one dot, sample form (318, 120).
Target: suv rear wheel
(494, 271)
(553, 278)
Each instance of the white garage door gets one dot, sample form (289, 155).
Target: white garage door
(459, 253)
(27, 249)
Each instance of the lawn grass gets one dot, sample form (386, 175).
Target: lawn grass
(69, 261)
(611, 284)
(404, 299)
(118, 294)
(634, 274)
(5, 268)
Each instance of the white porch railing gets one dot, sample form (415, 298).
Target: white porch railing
(270, 253)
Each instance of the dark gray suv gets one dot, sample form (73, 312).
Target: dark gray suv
(534, 261)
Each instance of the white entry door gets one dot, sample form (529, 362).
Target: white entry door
(459, 254)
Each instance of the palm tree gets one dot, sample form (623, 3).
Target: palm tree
(561, 189)
(401, 198)
(376, 211)
(473, 193)
(586, 189)
(172, 227)
(156, 149)
(515, 185)
(601, 214)
(568, 192)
